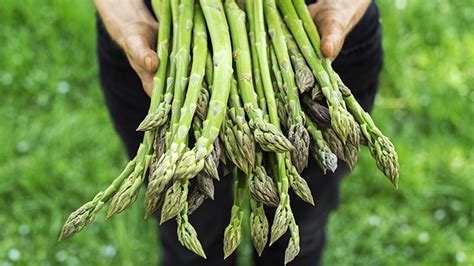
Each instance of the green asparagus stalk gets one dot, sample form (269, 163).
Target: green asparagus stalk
(231, 146)
(87, 212)
(305, 80)
(158, 116)
(167, 164)
(297, 183)
(297, 133)
(261, 186)
(242, 130)
(203, 102)
(195, 200)
(258, 226)
(354, 133)
(293, 247)
(380, 146)
(340, 116)
(238, 138)
(212, 161)
(128, 191)
(280, 92)
(254, 57)
(157, 6)
(265, 134)
(323, 155)
(308, 25)
(175, 199)
(283, 213)
(205, 184)
(183, 58)
(192, 161)
(187, 235)
(233, 231)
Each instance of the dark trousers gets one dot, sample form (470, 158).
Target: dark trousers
(358, 64)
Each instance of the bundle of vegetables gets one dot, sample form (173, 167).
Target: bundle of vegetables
(249, 81)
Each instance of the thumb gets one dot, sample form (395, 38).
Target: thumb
(332, 37)
(139, 50)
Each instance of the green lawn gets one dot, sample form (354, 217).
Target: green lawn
(58, 147)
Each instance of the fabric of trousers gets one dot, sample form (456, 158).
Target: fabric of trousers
(358, 64)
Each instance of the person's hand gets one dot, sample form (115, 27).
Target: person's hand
(335, 19)
(133, 28)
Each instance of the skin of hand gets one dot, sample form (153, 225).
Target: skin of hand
(335, 19)
(132, 26)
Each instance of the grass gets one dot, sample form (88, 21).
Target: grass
(58, 147)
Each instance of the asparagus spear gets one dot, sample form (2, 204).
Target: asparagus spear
(167, 164)
(174, 201)
(238, 138)
(304, 77)
(265, 134)
(380, 146)
(261, 186)
(242, 130)
(203, 102)
(293, 247)
(193, 161)
(258, 226)
(205, 184)
(323, 155)
(233, 231)
(183, 58)
(195, 200)
(297, 133)
(283, 213)
(128, 191)
(158, 116)
(212, 161)
(87, 212)
(280, 89)
(232, 150)
(308, 25)
(297, 183)
(341, 119)
(187, 235)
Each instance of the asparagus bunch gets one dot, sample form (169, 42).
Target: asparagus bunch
(283, 102)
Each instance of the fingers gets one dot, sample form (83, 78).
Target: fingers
(333, 34)
(138, 45)
(335, 20)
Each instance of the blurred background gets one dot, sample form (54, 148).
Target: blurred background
(58, 147)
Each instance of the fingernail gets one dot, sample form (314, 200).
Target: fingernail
(328, 48)
(148, 63)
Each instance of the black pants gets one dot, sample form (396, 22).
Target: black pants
(358, 64)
